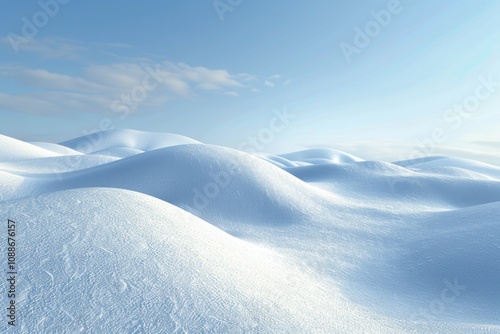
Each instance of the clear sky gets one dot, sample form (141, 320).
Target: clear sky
(380, 79)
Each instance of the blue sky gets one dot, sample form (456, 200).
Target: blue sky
(381, 79)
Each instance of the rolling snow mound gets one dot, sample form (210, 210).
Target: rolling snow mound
(13, 150)
(130, 139)
(128, 231)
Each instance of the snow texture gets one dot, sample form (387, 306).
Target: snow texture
(134, 232)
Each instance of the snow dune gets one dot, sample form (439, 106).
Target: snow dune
(13, 150)
(462, 164)
(128, 231)
(442, 187)
(317, 156)
(56, 148)
(211, 181)
(125, 138)
(148, 266)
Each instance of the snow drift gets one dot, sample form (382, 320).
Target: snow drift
(130, 231)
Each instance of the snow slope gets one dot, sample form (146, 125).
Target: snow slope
(13, 150)
(132, 252)
(434, 188)
(159, 233)
(56, 148)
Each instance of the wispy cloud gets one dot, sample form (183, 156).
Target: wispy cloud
(276, 80)
(268, 83)
(245, 77)
(57, 48)
(27, 103)
(205, 78)
(63, 48)
(97, 86)
(41, 78)
(53, 103)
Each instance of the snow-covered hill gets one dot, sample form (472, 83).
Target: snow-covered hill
(125, 138)
(126, 231)
(12, 150)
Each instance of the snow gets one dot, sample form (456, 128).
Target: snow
(12, 149)
(56, 148)
(125, 138)
(464, 164)
(322, 156)
(158, 233)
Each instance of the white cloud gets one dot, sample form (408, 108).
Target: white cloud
(51, 48)
(206, 79)
(247, 77)
(119, 76)
(41, 78)
(268, 84)
(97, 86)
(61, 48)
(27, 104)
(100, 85)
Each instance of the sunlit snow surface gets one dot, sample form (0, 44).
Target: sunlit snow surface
(129, 232)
